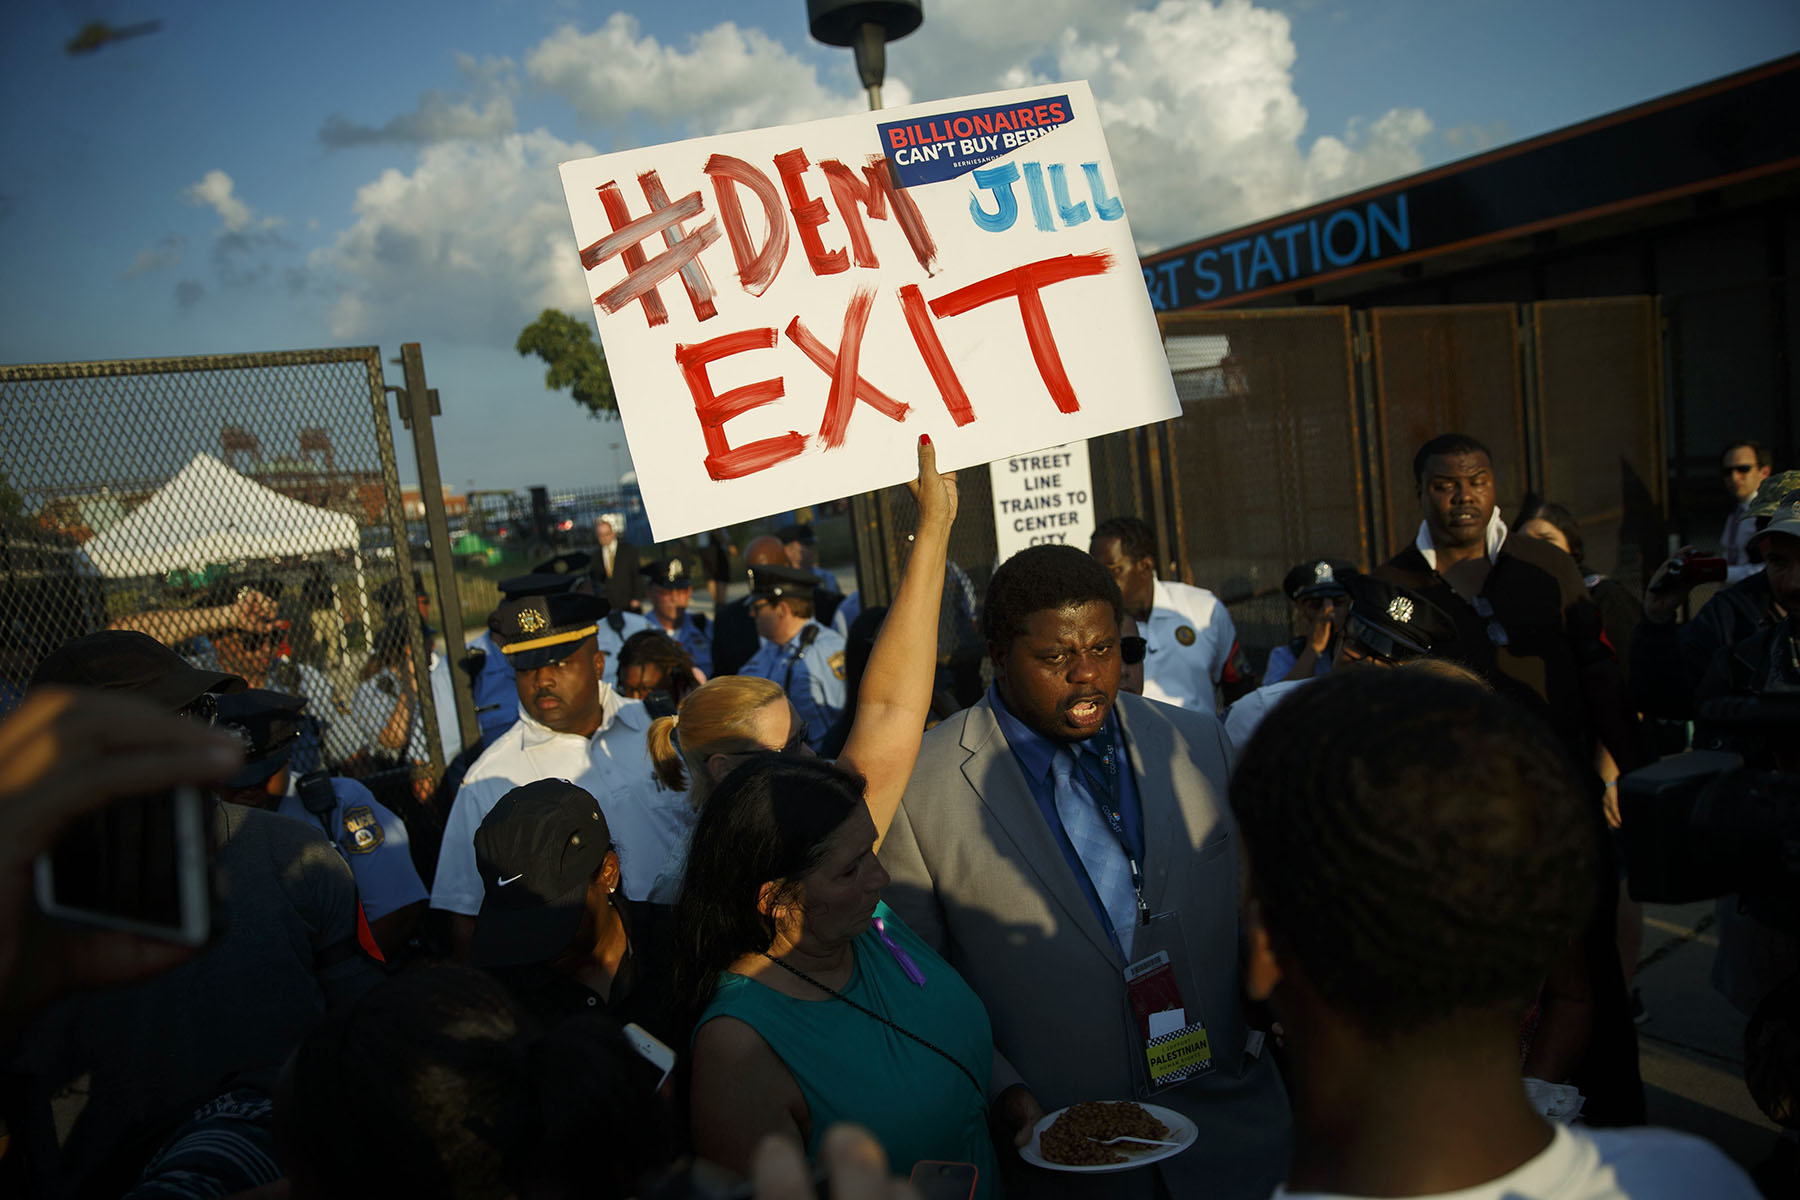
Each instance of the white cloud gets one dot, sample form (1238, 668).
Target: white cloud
(1197, 98)
(216, 191)
(484, 110)
(725, 78)
(472, 243)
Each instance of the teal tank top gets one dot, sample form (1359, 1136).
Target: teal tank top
(851, 1067)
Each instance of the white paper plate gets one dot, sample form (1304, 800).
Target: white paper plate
(1181, 1131)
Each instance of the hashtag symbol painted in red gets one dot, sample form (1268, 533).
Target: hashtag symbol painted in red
(644, 275)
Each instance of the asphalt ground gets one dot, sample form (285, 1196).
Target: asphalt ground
(1691, 1048)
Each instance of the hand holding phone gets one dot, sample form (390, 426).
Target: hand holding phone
(63, 754)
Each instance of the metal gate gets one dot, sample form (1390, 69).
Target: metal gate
(244, 509)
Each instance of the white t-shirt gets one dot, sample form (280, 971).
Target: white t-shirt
(614, 766)
(1190, 637)
(1607, 1164)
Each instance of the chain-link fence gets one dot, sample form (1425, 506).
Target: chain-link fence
(243, 509)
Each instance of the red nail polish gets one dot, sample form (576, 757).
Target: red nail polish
(924, 439)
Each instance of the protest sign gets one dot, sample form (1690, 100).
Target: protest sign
(1042, 497)
(784, 311)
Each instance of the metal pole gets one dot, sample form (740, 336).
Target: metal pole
(418, 404)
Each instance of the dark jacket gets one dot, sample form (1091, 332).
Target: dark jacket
(640, 991)
(1544, 643)
(1669, 661)
(620, 587)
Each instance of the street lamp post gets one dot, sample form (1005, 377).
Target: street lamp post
(867, 26)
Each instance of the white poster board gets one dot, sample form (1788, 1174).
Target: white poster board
(1044, 497)
(784, 311)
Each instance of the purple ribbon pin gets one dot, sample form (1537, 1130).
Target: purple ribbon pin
(900, 956)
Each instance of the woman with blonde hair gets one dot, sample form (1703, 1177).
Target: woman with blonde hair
(729, 718)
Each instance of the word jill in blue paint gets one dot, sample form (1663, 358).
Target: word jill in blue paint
(998, 182)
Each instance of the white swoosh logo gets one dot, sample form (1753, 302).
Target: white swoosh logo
(514, 879)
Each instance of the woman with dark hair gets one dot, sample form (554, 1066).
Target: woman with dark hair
(1620, 612)
(815, 1003)
(1620, 609)
(657, 669)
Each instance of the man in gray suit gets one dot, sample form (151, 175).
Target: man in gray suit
(1056, 834)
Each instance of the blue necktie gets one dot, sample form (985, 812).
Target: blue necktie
(1099, 850)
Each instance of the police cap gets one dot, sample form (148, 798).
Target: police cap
(1395, 623)
(268, 723)
(1317, 577)
(539, 583)
(572, 563)
(534, 631)
(773, 582)
(798, 532)
(669, 573)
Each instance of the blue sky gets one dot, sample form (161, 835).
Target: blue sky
(255, 176)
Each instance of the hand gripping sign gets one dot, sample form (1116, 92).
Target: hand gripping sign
(785, 311)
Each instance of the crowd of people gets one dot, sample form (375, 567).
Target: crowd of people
(742, 898)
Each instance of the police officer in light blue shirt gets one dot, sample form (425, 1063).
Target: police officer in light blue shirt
(371, 838)
(496, 697)
(801, 545)
(670, 588)
(800, 654)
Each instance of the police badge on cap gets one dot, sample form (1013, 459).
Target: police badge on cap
(534, 631)
(1394, 623)
(668, 573)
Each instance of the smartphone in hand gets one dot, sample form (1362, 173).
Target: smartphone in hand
(141, 865)
(943, 1180)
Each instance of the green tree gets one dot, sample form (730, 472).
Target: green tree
(575, 361)
(11, 503)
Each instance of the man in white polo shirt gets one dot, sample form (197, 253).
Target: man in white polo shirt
(572, 726)
(1192, 642)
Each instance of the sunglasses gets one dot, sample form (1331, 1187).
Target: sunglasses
(203, 708)
(1739, 470)
(1132, 650)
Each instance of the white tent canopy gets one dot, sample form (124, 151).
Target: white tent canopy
(208, 513)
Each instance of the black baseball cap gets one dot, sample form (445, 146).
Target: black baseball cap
(537, 851)
(124, 660)
(669, 573)
(534, 631)
(1396, 623)
(774, 582)
(268, 723)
